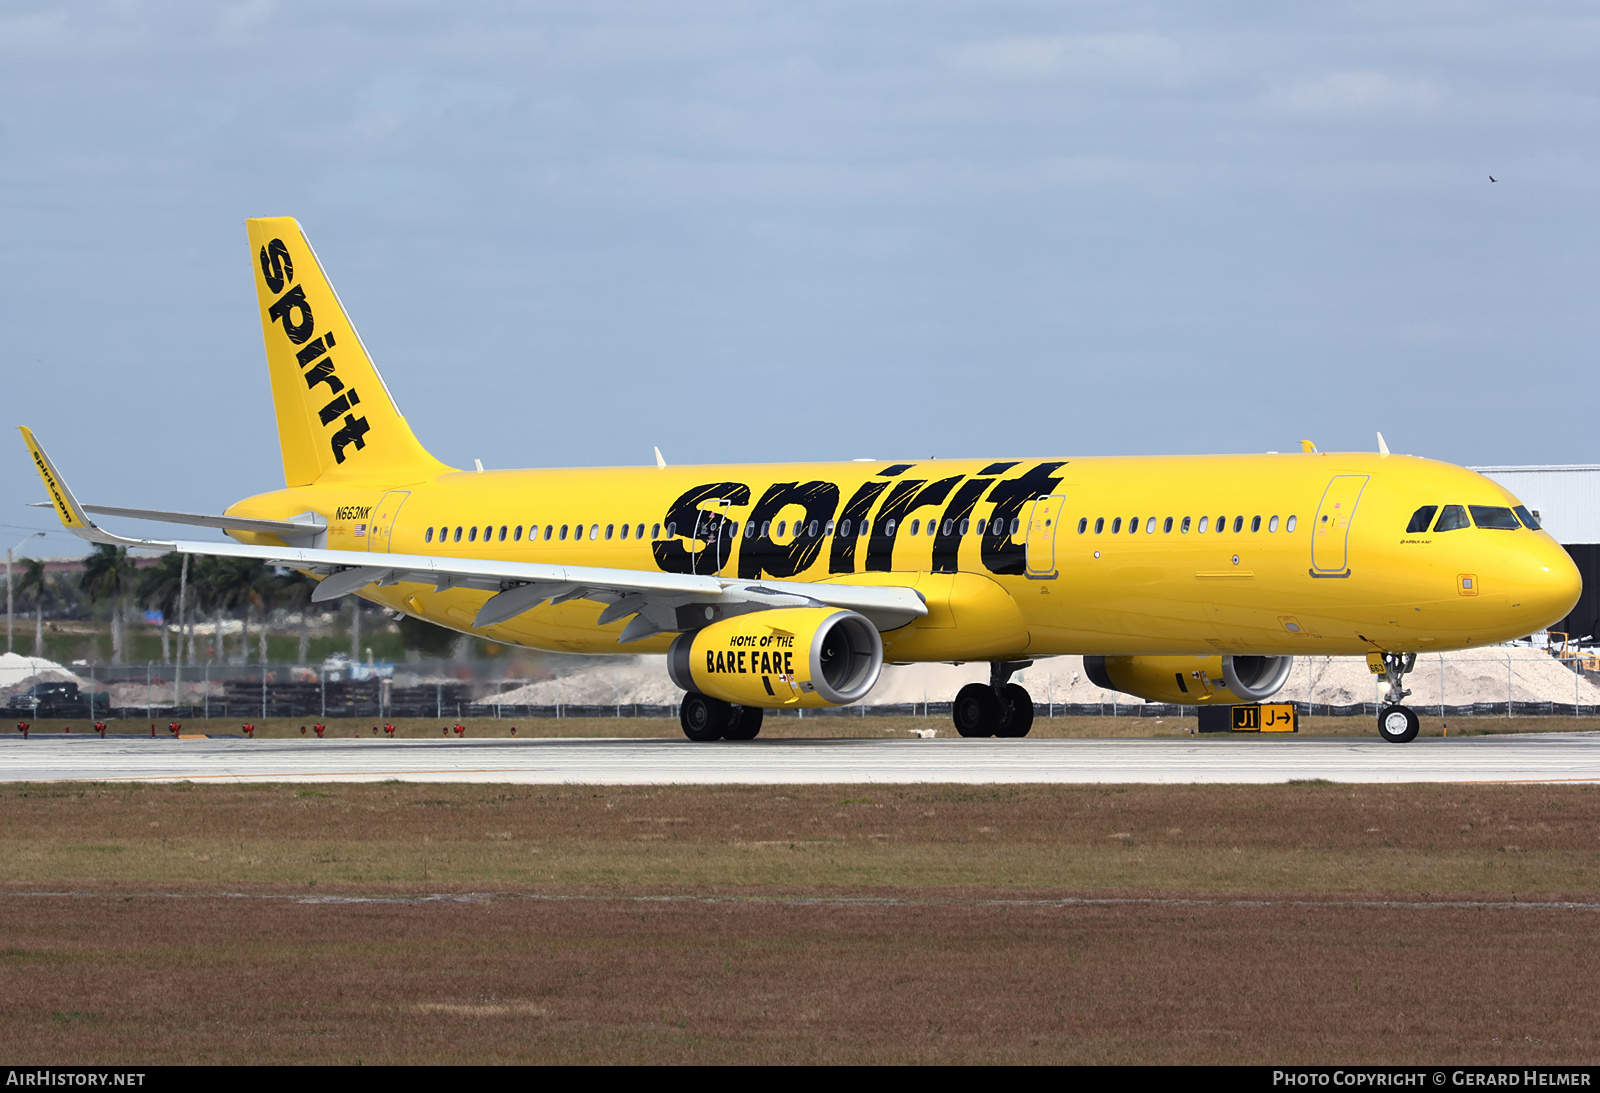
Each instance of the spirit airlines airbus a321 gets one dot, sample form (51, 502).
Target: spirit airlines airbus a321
(1194, 580)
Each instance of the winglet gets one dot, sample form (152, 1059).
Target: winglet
(73, 518)
(72, 515)
(1308, 447)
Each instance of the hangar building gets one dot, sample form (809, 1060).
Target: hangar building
(1566, 501)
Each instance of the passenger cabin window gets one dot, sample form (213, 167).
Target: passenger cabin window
(888, 529)
(427, 536)
(1166, 526)
(1272, 524)
(783, 528)
(1083, 525)
(1255, 524)
(1453, 518)
(964, 526)
(1099, 524)
(458, 535)
(1133, 525)
(1494, 517)
(827, 529)
(1238, 524)
(1016, 526)
(638, 532)
(1290, 523)
(750, 530)
(1204, 520)
(594, 531)
(844, 529)
(1421, 519)
(472, 534)
(655, 531)
(503, 530)
(548, 528)
(1116, 526)
(1530, 520)
(1150, 526)
(1183, 529)
(610, 530)
(916, 527)
(564, 532)
(516, 534)
(625, 528)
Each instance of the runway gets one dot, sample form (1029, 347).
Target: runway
(1552, 758)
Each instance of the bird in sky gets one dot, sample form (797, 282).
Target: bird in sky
(1493, 179)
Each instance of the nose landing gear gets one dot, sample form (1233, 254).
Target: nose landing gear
(996, 708)
(1396, 723)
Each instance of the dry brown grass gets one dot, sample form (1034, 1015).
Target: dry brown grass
(797, 728)
(211, 979)
(1290, 923)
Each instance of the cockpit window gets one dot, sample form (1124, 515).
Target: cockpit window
(1421, 519)
(1529, 520)
(1494, 516)
(1453, 518)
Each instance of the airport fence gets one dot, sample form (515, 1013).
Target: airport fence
(457, 691)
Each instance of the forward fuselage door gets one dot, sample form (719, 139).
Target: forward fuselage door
(383, 513)
(1044, 519)
(1330, 533)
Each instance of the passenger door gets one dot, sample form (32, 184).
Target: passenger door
(1043, 521)
(1330, 532)
(383, 514)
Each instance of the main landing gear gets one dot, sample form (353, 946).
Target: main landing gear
(1396, 723)
(996, 708)
(705, 718)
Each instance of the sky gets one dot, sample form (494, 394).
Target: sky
(570, 232)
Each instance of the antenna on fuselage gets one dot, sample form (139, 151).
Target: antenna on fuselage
(1383, 449)
(660, 461)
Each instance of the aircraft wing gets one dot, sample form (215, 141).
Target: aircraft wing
(659, 602)
(203, 520)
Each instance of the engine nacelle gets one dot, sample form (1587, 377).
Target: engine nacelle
(785, 657)
(1191, 681)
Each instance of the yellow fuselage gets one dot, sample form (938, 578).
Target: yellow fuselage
(1030, 583)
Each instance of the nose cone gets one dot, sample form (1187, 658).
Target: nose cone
(1551, 584)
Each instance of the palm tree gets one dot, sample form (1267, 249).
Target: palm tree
(294, 594)
(158, 590)
(228, 584)
(108, 574)
(34, 580)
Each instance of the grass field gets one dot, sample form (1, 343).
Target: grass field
(796, 727)
(406, 923)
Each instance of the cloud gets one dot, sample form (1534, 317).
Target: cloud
(1088, 56)
(1358, 92)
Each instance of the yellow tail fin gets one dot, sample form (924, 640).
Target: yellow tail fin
(336, 419)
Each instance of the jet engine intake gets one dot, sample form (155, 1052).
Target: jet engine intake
(1190, 680)
(785, 657)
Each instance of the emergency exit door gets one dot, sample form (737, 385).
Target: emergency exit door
(1043, 521)
(383, 514)
(1330, 533)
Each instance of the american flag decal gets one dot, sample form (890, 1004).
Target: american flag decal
(361, 531)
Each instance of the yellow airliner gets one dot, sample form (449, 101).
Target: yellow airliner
(1194, 580)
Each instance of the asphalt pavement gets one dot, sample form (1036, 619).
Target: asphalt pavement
(1553, 758)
